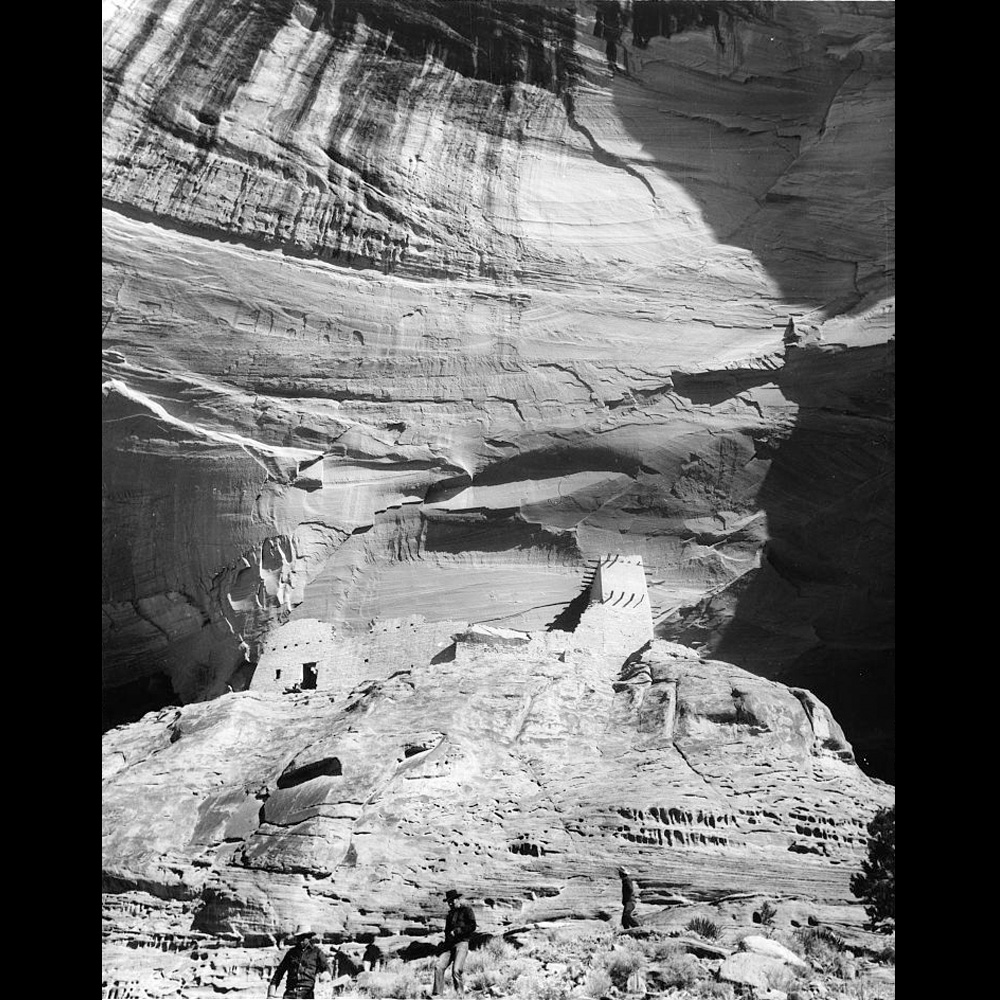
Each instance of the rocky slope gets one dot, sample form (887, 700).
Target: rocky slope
(417, 308)
(523, 770)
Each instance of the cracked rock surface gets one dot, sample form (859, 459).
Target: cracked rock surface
(417, 308)
(522, 774)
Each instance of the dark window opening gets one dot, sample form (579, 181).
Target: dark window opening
(277, 675)
(327, 767)
(309, 676)
(527, 848)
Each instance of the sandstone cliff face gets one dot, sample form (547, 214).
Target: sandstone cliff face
(415, 309)
(523, 771)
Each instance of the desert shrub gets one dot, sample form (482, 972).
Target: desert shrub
(843, 966)
(875, 884)
(404, 985)
(715, 991)
(597, 983)
(787, 978)
(478, 961)
(497, 950)
(480, 979)
(704, 927)
(534, 986)
(664, 951)
(515, 969)
(680, 969)
(622, 963)
(865, 989)
(822, 956)
(821, 946)
(545, 951)
(812, 938)
(767, 913)
(487, 965)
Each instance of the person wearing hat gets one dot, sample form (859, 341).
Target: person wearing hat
(302, 963)
(459, 926)
(630, 896)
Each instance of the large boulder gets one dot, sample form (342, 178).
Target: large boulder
(772, 949)
(759, 971)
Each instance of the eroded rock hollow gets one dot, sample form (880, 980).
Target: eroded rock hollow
(413, 315)
(416, 308)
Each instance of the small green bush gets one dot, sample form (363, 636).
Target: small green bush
(665, 951)
(478, 961)
(481, 979)
(844, 966)
(816, 938)
(498, 950)
(680, 970)
(875, 884)
(767, 914)
(704, 927)
(597, 983)
(822, 947)
(533, 986)
(513, 970)
(622, 963)
(403, 986)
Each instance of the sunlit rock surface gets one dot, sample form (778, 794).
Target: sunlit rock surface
(417, 309)
(522, 770)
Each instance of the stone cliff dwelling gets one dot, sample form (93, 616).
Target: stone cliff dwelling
(307, 654)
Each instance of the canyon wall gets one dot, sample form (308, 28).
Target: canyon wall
(418, 309)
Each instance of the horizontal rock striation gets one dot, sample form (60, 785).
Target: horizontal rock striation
(522, 772)
(417, 310)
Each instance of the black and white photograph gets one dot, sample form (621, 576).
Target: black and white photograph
(498, 499)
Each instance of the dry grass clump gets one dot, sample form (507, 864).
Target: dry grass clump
(535, 986)
(811, 938)
(864, 990)
(680, 970)
(704, 927)
(405, 984)
(511, 973)
(597, 983)
(622, 963)
(823, 948)
(556, 964)
(704, 990)
(664, 951)
(485, 967)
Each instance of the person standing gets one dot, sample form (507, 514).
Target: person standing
(630, 896)
(459, 926)
(302, 963)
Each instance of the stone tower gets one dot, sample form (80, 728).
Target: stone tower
(619, 619)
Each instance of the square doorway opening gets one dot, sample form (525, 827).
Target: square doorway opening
(309, 676)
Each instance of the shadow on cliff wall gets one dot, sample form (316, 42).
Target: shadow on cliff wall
(819, 612)
(747, 138)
